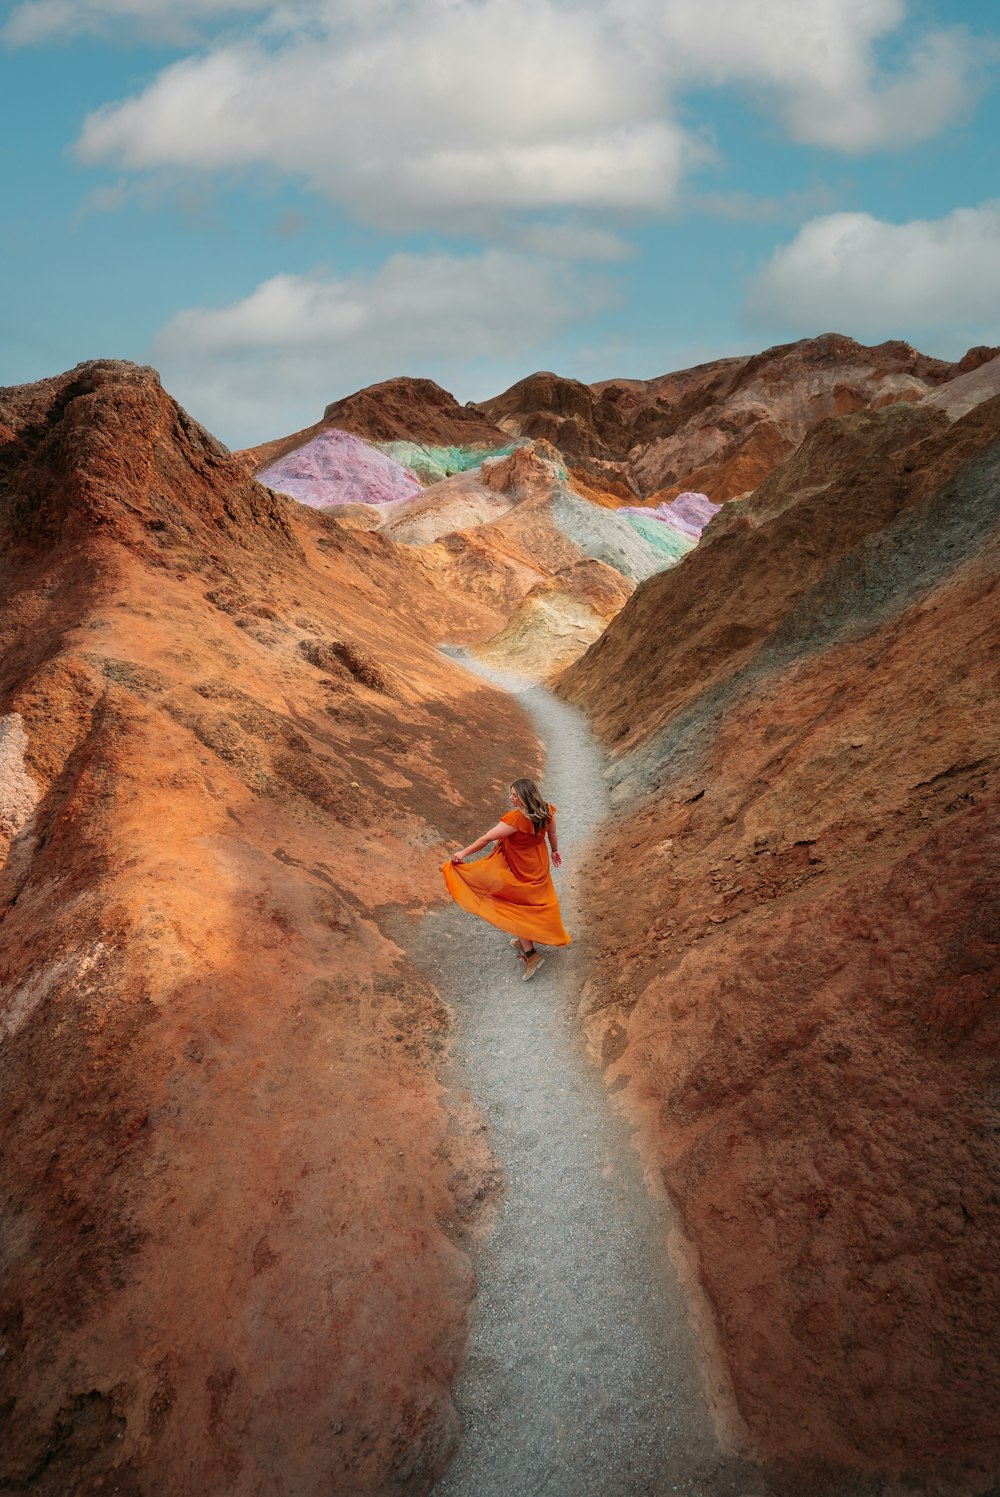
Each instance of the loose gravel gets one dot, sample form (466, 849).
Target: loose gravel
(582, 1378)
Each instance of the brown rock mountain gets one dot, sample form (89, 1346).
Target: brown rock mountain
(224, 1263)
(236, 1203)
(718, 428)
(796, 936)
(401, 409)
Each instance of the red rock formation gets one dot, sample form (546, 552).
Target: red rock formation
(413, 410)
(719, 428)
(233, 1203)
(797, 937)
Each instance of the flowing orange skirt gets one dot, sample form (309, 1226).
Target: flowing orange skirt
(512, 888)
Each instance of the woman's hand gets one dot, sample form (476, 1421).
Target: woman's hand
(557, 859)
(458, 857)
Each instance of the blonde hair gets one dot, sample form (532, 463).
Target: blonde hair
(532, 803)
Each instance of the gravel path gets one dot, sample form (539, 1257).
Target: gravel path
(582, 1378)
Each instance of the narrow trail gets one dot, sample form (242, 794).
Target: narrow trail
(582, 1378)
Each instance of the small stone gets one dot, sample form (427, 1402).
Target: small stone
(355, 785)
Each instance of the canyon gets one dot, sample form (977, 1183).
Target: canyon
(242, 1199)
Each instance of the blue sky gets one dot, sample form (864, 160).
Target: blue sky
(276, 203)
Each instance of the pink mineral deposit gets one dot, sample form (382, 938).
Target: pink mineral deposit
(688, 512)
(338, 468)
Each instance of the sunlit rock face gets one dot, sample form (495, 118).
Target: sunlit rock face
(794, 935)
(234, 1206)
(979, 382)
(557, 620)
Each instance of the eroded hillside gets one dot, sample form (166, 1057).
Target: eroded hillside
(721, 427)
(235, 1204)
(795, 936)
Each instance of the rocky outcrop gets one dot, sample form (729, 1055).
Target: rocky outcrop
(796, 937)
(234, 1205)
(978, 381)
(569, 458)
(515, 534)
(414, 410)
(396, 410)
(557, 620)
(719, 428)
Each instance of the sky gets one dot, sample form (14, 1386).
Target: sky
(277, 202)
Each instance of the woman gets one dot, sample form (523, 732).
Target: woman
(512, 888)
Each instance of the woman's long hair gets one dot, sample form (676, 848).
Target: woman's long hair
(534, 807)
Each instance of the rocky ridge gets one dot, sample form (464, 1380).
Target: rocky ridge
(230, 761)
(617, 457)
(795, 937)
(720, 427)
(396, 410)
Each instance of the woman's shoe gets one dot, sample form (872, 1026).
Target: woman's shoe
(531, 965)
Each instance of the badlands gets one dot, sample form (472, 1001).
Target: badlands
(245, 1200)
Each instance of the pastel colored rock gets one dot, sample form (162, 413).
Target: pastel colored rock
(335, 467)
(431, 464)
(673, 528)
(557, 620)
(512, 526)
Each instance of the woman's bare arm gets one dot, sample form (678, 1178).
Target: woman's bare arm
(495, 834)
(554, 842)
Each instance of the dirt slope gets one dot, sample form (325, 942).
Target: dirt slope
(234, 1206)
(797, 937)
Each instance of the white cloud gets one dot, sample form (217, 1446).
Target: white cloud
(175, 21)
(815, 63)
(269, 362)
(471, 109)
(455, 108)
(573, 241)
(851, 271)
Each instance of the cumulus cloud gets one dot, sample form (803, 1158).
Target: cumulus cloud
(573, 241)
(854, 271)
(157, 20)
(816, 64)
(455, 107)
(260, 365)
(473, 108)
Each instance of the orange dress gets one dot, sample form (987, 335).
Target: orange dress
(512, 888)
